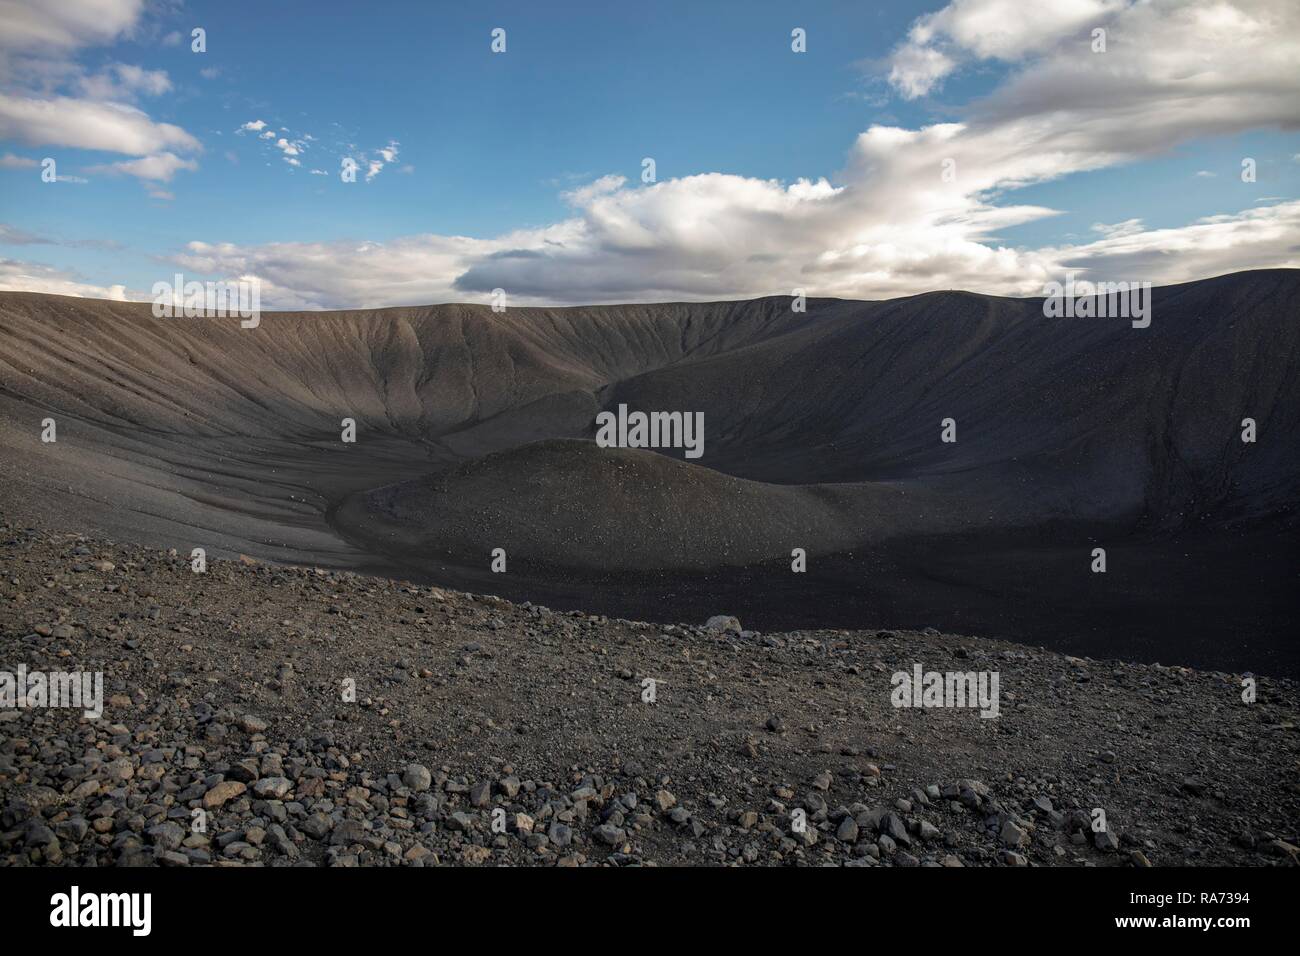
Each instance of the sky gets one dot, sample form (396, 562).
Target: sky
(860, 150)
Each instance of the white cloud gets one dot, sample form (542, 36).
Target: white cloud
(10, 161)
(561, 264)
(160, 167)
(375, 163)
(17, 276)
(290, 148)
(604, 186)
(1265, 237)
(990, 30)
(1128, 227)
(123, 81)
(320, 275)
(85, 124)
(67, 24)
(916, 69)
(38, 106)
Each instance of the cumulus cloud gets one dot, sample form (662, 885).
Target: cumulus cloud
(916, 69)
(290, 148)
(938, 43)
(575, 262)
(41, 25)
(160, 167)
(1259, 238)
(322, 275)
(17, 276)
(123, 81)
(50, 100)
(381, 157)
(374, 161)
(85, 124)
(1180, 69)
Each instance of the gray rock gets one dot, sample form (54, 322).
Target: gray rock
(252, 725)
(167, 835)
(417, 777)
(723, 624)
(348, 832)
(460, 821)
(891, 825)
(272, 788)
(560, 834)
(38, 834)
(1012, 836)
(316, 826)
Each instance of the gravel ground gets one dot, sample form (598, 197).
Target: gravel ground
(484, 732)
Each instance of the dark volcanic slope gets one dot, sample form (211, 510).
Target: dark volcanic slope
(620, 509)
(223, 693)
(821, 431)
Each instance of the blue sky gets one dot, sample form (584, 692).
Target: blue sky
(491, 147)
